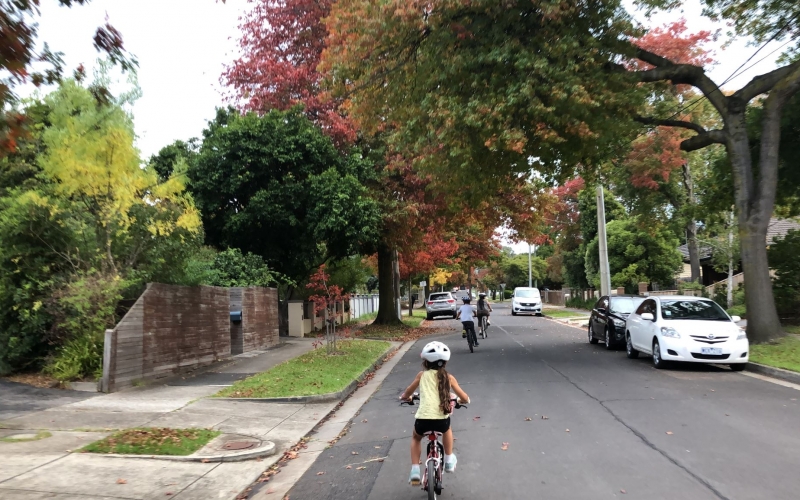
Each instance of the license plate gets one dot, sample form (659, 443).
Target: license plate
(710, 350)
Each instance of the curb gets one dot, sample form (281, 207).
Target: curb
(773, 372)
(266, 449)
(331, 396)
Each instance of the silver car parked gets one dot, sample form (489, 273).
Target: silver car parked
(441, 304)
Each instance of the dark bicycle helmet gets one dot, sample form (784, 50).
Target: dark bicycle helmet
(466, 300)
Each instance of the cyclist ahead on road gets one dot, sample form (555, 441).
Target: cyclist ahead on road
(465, 314)
(484, 308)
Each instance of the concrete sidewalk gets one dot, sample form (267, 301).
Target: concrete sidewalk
(46, 467)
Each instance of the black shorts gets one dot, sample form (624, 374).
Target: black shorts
(423, 425)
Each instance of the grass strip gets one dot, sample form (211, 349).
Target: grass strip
(315, 372)
(560, 313)
(153, 441)
(782, 354)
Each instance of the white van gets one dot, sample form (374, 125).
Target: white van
(526, 300)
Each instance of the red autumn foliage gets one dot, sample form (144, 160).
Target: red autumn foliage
(325, 295)
(673, 42)
(281, 44)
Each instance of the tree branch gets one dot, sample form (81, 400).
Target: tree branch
(703, 140)
(680, 74)
(765, 82)
(649, 120)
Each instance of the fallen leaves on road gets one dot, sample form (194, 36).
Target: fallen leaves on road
(528, 419)
(476, 418)
(504, 447)
(623, 492)
(320, 473)
(377, 447)
(567, 430)
(669, 433)
(122, 481)
(544, 417)
(354, 453)
(360, 468)
(364, 421)
(349, 467)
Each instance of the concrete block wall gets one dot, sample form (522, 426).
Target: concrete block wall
(173, 328)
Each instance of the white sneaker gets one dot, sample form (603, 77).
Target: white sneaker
(450, 463)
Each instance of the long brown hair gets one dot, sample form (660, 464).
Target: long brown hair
(443, 379)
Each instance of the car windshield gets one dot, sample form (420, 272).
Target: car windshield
(703, 310)
(527, 294)
(624, 305)
(439, 296)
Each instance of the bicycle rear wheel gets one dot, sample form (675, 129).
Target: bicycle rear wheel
(431, 480)
(470, 333)
(485, 327)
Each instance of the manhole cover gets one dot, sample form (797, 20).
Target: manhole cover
(238, 445)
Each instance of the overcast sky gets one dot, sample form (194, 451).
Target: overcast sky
(182, 46)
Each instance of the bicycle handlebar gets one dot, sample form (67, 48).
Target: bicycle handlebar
(415, 397)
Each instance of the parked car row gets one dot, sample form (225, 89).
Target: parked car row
(670, 328)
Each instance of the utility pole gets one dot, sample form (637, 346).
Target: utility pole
(530, 269)
(605, 273)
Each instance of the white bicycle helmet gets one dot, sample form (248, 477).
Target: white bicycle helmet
(435, 351)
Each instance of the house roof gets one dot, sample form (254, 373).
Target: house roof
(777, 229)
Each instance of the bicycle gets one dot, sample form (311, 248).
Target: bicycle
(434, 463)
(484, 322)
(472, 338)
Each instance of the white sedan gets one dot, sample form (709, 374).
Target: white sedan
(690, 329)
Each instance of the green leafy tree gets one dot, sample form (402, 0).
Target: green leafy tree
(275, 186)
(783, 259)
(635, 254)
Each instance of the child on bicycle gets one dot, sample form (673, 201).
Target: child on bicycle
(484, 308)
(465, 315)
(435, 406)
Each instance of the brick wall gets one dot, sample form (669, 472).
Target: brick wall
(171, 328)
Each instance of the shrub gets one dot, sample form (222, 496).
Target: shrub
(737, 311)
(580, 303)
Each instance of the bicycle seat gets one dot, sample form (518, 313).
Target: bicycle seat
(433, 435)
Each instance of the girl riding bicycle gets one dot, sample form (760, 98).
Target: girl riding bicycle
(435, 385)
(484, 308)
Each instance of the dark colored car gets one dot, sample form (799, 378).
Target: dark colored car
(607, 322)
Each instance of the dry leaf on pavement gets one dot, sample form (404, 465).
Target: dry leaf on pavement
(528, 419)
(567, 430)
(354, 453)
(360, 468)
(476, 418)
(623, 491)
(504, 447)
(545, 417)
(122, 481)
(349, 467)
(320, 473)
(669, 433)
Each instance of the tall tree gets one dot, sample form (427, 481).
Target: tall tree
(275, 186)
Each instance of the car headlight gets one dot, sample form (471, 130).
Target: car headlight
(742, 336)
(619, 323)
(668, 331)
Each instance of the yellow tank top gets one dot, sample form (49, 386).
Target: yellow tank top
(429, 403)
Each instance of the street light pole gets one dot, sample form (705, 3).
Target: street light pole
(605, 273)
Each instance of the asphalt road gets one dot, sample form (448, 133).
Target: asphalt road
(614, 427)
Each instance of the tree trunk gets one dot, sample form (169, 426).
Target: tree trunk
(396, 275)
(387, 309)
(754, 214)
(691, 225)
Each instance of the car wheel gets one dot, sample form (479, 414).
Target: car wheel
(609, 339)
(632, 353)
(738, 367)
(513, 313)
(592, 340)
(658, 362)
(455, 315)
(429, 317)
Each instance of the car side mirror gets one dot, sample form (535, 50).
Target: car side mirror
(736, 319)
(601, 309)
(648, 317)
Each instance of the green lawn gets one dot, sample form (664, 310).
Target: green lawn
(560, 313)
(783, 354)
(314, 372)
(153, 441)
